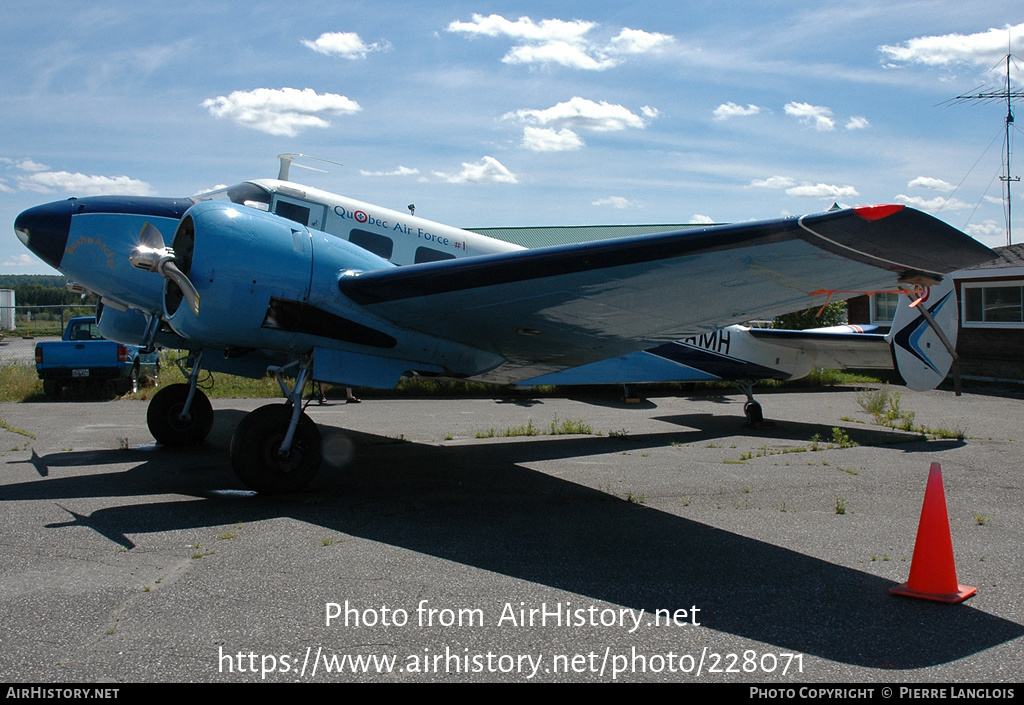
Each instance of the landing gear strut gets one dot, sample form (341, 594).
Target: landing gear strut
(180, 414)
(278, 448)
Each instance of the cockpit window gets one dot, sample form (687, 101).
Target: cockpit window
(246, 194)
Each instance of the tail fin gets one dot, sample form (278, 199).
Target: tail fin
(919, 354)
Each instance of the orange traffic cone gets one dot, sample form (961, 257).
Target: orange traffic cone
(932, 570)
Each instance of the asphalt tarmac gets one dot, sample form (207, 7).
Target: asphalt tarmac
(669, 544)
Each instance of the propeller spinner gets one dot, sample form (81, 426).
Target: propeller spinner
(154, 256)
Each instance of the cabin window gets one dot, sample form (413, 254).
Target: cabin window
(246, 194)
(993, 305)
(380, 245)
(428, 254)
(292, 211)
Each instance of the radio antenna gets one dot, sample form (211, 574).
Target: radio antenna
(286, 162)
(1005, 94)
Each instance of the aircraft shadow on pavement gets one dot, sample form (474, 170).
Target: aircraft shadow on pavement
(472, 503)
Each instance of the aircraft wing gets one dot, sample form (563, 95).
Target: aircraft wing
(551, 308)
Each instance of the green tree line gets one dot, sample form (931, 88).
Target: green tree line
(43, 290)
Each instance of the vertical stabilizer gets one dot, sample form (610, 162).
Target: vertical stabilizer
(919, 353)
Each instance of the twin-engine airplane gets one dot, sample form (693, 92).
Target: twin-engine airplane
(271, 275)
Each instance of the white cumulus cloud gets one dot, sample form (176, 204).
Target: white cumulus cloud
(990, 232)
(524, 28)
(933, 204)
(817, 116)
(857, 122)
(700, 219)
(563, 53)
(730, 110)
(400, 171)
(487, 171)
(285, 111)
(927, 182)
(580, 113)
(774, 182)
(29, 165)
(616, 202)
(637, 41)
(21, 261)
(824, 191)
(548, 139)
(84, 184)
(979, 49)
(347, 45)
(561, 42)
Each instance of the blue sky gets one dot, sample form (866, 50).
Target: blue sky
(514, 113)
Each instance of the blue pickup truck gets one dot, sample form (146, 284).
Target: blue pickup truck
(82, 355)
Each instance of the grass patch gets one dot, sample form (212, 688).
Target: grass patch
(528, 430)
(884, 405)
(570, 427)
(557, 428)
(19, 382)
(21, 432)
(841, 438)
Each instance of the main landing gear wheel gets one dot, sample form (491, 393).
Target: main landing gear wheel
(167, 425)
(255, 445)
(752, 410)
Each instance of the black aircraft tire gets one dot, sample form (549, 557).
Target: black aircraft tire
(254, 446)
(752, 410)
(163, 417)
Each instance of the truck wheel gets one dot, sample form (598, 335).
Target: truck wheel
(166, 424)
(130, 384)
(256, 441)
(51, 387)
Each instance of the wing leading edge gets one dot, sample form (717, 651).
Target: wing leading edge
(547, 309)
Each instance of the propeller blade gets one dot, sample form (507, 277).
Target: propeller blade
(170, 271)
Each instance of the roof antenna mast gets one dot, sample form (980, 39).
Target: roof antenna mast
(1007, 94)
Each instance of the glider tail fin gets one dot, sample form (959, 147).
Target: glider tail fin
(920, 353)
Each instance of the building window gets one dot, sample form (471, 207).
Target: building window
(993, 304)
(883, 307)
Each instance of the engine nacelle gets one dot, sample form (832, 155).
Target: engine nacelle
(127, 326)
(253, 273)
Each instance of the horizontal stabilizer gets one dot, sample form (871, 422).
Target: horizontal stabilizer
(835, 347)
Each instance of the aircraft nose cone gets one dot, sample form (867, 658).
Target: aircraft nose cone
(44, 230)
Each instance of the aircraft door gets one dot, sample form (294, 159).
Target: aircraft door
(312, 215)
